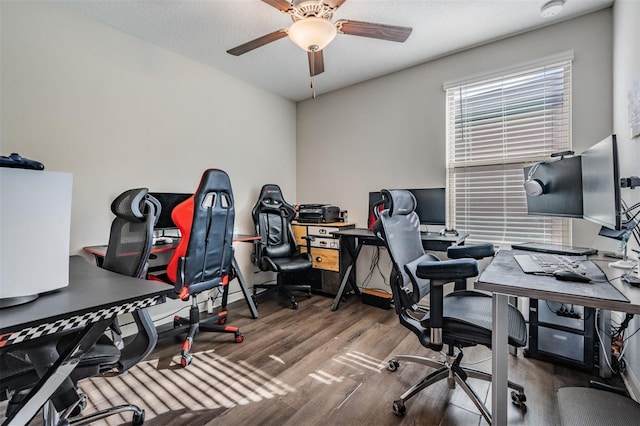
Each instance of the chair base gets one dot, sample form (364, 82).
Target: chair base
(284, 289)
(192, 325)
(455, 374)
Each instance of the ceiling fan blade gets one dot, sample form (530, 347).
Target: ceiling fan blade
(316, 63)
(260, 41)
(334, 3)
(281, 5)
(368, 29)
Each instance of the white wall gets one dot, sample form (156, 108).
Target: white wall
(626, 70)
(121, 113)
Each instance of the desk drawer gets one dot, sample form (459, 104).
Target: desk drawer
(326, 259)
(330, 243)
(322, 231)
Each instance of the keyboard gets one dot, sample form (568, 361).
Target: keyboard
(554, 249)
(547, 264)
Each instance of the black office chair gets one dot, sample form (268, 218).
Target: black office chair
(459, 320)
(202, 260)
(582, 406)
(127, 253)
(277, 250)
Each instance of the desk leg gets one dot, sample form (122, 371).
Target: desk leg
(243, 287)
(345, 279)
(57, 374)
(604, 330)
(499, 360)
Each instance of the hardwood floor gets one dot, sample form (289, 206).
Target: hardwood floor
(312, 366)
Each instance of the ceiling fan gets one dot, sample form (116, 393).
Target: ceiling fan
(312, 30)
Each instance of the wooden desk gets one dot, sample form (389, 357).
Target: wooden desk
(354, 239)
(100, 252)
(503, 277)
(92, 299)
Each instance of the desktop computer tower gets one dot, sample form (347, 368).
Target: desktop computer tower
(561, 333)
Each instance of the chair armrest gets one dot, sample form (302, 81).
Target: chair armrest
(477, 251)
(308, 239)
(447, 270)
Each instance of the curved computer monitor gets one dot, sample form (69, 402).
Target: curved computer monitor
(601, 183)
(168, 201)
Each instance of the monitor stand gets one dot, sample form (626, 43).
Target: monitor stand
(8, 302)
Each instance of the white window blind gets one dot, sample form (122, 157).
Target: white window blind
(495, 128)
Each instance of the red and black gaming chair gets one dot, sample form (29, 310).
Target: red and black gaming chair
(202, 260)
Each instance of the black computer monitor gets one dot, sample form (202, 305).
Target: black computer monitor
(562, 196)
(601, 183)
(168, 201)
(430, 205)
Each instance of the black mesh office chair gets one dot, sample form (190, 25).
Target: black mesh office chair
(127, 253)
(277, 249)
(593, 406)
(459, 320)
(202, 260)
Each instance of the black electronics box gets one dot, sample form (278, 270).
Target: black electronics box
(318, 213)
(377, 298)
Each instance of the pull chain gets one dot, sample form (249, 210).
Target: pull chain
(313, 67)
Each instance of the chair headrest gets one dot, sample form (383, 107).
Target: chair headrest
(401, 201)
(214, 180)
(130, 205)
(271, 200)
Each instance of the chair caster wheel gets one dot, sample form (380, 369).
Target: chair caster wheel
(239, 338)
(294, 305)
(393, 364)
(398, 408)
(222, 320)
(186, 360)
(138, 418)
(518, 398)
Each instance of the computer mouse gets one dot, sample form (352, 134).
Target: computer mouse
(569, 275)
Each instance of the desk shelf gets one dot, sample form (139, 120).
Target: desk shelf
(569, 341)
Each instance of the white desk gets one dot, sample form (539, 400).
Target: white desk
(504, 278)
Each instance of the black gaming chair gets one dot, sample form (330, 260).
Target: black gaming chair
(127, 253)
(202, 260)
(277, 249)
(459, 320)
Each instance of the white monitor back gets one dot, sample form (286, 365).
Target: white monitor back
(35, 221)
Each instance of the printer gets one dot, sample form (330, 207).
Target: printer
(318, 213)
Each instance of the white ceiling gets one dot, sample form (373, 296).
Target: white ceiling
(204, 30)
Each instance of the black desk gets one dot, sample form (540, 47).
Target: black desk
(90, 302)
(503, 277)
(100, 252)
(352, 241)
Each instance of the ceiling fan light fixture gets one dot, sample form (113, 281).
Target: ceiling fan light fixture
(312, 34)
(551, 8)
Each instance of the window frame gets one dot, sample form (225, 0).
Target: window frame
(464, 170)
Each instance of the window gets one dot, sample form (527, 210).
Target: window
(495, 127)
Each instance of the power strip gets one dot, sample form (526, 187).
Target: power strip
(568, 314)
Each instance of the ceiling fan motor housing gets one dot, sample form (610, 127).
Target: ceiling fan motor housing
(305, 8)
